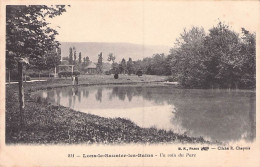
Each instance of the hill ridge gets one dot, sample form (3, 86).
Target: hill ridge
(119, 49)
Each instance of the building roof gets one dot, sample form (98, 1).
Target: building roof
(91, 65)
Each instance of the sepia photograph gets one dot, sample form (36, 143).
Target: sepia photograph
(130, 73)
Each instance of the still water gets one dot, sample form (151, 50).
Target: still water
(221, 115)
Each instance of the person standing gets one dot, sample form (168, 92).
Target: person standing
(77, 80)
(73, 80)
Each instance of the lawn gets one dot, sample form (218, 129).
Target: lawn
(45, 123)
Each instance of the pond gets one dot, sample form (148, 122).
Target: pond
(216, 115)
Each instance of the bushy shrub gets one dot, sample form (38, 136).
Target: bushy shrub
(139, 73)
(68, 74)
(46, 75)
(171, 79)
(76, 73)
(64, 74)
(116, 76)
(36, 75)
(14, 77)
(107, 72)
(27, 78)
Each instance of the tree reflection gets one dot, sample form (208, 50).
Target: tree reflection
(70, 101)
(154, 94)
(219, 116)
(50, 95)
(252, 117)
(99, 94)
(85, 93)
(129, 94)
(58, 92)
(79, 95)
(76, 90)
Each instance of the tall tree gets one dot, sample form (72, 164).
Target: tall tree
(222, 47)
(27, 32)
(137, 65)
(75, 57)
(100, 64)
(71, 56)
(80, 60)
(188, 56)
(84, 60)
(248, 63)
(111, 57)
(53, 58)
(87, 61)
(157, 65)
(130, 66)
(122, 66)
(28, 37)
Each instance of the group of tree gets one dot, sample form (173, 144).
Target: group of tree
(123, 67)
(77, 60)
(220, 59)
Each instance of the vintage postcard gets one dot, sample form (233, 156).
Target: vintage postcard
(129, 83)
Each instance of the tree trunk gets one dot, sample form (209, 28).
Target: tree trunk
(21, 92)
(9, 77)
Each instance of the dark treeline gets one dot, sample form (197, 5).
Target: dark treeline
(220, 59)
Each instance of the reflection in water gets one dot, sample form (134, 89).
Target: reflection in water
(99, 94)
(214, 114)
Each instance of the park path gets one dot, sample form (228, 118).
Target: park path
(26, 81)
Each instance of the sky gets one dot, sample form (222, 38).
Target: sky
(149, 22)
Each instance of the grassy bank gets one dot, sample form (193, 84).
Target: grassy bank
(46, 123)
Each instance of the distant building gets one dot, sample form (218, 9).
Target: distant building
(91, 68)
